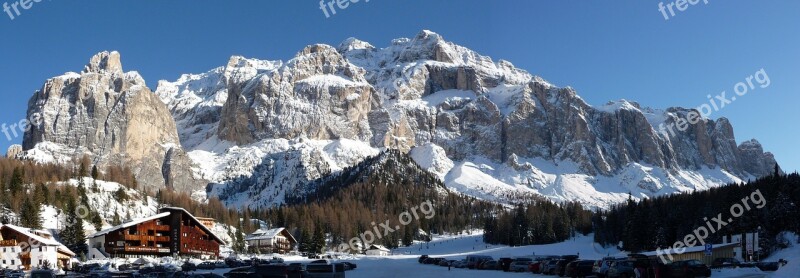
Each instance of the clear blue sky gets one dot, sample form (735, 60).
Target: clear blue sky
(606, 50)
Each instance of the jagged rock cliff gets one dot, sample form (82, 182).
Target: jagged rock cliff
(112, 117)
(261, 130)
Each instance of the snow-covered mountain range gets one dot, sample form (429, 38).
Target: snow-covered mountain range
(253, 132)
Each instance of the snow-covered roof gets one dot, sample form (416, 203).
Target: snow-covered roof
(378, 247)
(267, 234)
(128, 224)
(41, 240)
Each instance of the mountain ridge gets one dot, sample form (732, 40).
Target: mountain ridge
(482, 127)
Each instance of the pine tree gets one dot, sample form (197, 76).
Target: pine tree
(305, 241)
(29, 215)
(408, 237)
(97, 222)
(15, 185)
(41, 194)
(95, 174)
(777, 170)
(82, 193)
(239, 244)
(318, 242)
(116, 220)
(84, 164)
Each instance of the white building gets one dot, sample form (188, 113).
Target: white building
(23, 248)
(377, 250)
(277, 240)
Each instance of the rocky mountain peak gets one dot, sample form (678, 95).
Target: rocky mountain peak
(111, 117)
(351, 44)
(104, 62)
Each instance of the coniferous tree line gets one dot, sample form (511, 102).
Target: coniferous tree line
(660, 222)
(538, 221)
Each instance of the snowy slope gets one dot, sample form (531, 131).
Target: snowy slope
(484, 127)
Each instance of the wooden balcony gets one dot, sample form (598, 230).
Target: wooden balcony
(7, 243)
(140, 249)
(162, 228)
(147, 238)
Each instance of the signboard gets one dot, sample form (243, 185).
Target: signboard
(708, 249)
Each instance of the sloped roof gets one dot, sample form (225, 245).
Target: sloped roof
(129, 224)
(271, 233)
(378, 247)
(45, 241)
(203, 227)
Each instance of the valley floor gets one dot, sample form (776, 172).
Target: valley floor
(403, 263)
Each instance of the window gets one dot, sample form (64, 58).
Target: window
(12, 262)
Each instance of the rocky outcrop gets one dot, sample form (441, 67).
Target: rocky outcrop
(112, 117)
(318, 95)
(14, 151)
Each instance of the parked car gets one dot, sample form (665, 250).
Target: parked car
(768, 266)
(446, 262)
(538, 263)
(187, 266)
(505, 263)
(350, 266)
(580, 268)
(206, 265)
(725, 263)
(490, 265)
(688, 268)
(15, 274)
(263, 271)
(561, 267)
(520, 264)
(621, 269)
(320, 262)
(460, 264)
(220, 264)
(205, 275)
(42, 273)
(422, 258)
(600, 268)
(326, 271)
(474, 260)
(549, 267)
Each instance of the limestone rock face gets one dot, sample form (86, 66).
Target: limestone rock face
(423, 94)
(317, 95)
(261, 130)
(14, 151)
(112, 117)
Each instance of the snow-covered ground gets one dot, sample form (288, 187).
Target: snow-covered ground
(403, 261)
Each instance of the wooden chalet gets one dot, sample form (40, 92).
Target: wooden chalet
(171, 232)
